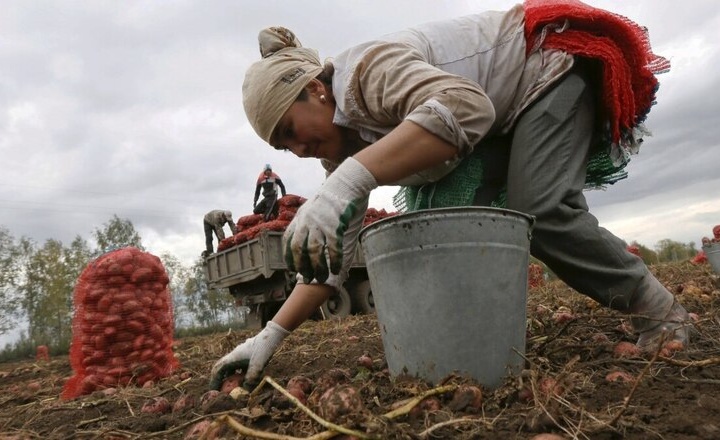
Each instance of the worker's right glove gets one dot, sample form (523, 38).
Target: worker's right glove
(315, 236)
(250, 357)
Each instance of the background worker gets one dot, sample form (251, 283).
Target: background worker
(268, 182)
(214, 221)
(416, 107)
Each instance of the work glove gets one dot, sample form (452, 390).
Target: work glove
(316, 233)
(251, 357)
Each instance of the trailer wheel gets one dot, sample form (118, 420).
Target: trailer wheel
(362, 298)
(337, 306)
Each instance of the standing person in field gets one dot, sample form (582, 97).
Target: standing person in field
(545, 98)
(214, 221)
(268, 182)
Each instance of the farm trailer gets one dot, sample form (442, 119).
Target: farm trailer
(255, 273)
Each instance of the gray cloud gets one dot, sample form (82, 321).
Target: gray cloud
(135, 109)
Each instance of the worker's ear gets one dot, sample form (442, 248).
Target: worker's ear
(316, 88)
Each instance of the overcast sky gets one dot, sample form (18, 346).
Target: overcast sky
(134, 108)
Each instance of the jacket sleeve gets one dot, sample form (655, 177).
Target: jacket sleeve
(257, 193)
(393, 82)
(233, 226)
(281, 185)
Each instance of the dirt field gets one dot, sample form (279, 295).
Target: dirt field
(570, 342)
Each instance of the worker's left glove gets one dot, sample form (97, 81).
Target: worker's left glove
(251, 357)
(316, 233)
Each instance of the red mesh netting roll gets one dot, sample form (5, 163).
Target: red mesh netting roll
(123, 323)
(623, 47)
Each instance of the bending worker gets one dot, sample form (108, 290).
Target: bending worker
(214, 221)
(269, 183)
(533, 93)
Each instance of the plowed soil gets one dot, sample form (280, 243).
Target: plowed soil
(571, 343)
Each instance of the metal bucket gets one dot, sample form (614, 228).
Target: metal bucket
(712, 253)
(450, 290)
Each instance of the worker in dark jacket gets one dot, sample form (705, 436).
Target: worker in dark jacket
(268, 182)
(215, 221)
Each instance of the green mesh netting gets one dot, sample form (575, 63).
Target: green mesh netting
(458, 188)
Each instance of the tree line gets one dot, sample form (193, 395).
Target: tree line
(666, 251)
(37, 282)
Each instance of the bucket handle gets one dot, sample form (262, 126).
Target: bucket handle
(532, 220)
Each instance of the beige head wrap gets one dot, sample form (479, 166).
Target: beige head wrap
(272, 84)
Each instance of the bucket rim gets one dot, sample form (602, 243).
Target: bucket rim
(710, 246)
(530, 218)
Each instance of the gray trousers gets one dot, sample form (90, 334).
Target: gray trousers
(209, 229)
(548, 155)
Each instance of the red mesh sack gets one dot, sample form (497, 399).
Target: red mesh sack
(286, 215)
(227, 243)
(42, 353)
(272, 225)
(250, 226)
(536, 276)
(699, 258)
(372, 215)
(249, 221)
(634, 250)
(290, 201)
(716, 232)
(123, 323)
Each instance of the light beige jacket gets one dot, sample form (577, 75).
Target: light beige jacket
(461, 79)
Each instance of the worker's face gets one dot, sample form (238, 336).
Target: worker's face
(306, 129)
